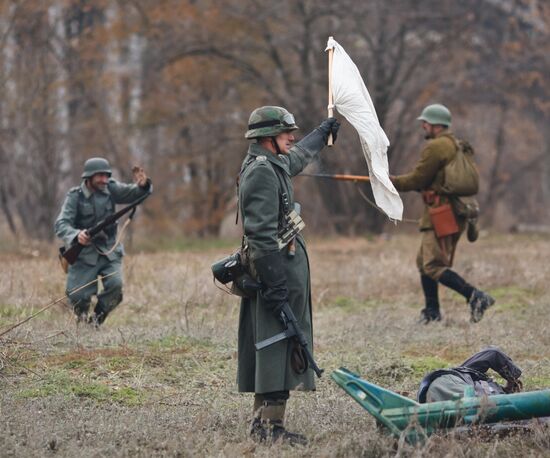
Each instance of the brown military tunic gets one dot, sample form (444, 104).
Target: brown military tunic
(429, 175)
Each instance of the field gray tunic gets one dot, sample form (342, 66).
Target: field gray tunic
(264, 180)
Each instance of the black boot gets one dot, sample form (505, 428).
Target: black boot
(452, 280)
(98, 317)
(279, 433)
(478, 300)
(431, 311)
(81, 311)
(269, 424)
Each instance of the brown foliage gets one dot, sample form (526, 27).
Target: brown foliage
(170, 84)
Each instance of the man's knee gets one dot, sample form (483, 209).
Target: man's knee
(113, 284)
(432, 270)
(80, 299)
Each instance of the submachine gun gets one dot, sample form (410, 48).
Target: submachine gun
(71, 254)
(292, 330)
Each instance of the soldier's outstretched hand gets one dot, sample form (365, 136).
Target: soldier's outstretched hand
(140, 178)
(329, 127)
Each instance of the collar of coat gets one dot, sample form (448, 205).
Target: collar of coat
(87, 193)
(255, 150)
(444, 133)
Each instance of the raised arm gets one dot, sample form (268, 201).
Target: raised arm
(306, 149)
(124, 193)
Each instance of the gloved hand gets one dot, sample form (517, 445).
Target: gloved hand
(272, 276)
(513, 386)
(329, 126)
(318, 137)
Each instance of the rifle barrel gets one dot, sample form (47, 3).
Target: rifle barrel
(338, 176)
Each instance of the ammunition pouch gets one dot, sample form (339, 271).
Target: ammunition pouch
(64, 263)
(233, 269)
(293, 225)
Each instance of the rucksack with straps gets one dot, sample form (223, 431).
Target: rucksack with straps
(461, 174)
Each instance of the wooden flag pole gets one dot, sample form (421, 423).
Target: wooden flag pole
(330, 100)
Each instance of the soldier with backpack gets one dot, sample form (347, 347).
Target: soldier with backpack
(447, 178)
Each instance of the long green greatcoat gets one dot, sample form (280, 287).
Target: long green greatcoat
(429, 172)
(264, 181)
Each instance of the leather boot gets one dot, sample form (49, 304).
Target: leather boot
(451, 279)
(270, 425)
(478, 300)
(98, 317)
(431, 311)
(80, 309)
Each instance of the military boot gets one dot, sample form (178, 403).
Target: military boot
(257, 431)
(80, 309)
(479, 302)
(427, 315)
(431, 311)
(269, 425)
(98, 317)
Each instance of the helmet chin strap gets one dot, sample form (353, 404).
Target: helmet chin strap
(275, 145)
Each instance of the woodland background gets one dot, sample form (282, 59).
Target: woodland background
(170, 85)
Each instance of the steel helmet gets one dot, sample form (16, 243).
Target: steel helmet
(96, 165)
(269, 121)
(436, 114)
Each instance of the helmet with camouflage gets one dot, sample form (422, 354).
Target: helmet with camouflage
(269, 121)
(96, 165)
(436, 114)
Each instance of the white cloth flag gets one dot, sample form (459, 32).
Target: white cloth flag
(353, 101)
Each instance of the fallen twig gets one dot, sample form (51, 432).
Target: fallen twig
(51, 304)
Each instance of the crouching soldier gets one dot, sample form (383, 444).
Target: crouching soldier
(85, 206)
(265, 201)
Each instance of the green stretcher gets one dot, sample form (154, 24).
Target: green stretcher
(404, 417)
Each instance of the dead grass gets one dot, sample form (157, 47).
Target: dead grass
(158, 378)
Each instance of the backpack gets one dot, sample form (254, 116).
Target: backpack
(461, 175)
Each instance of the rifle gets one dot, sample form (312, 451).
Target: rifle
(71, 253)
(292, 330)
(340, 177)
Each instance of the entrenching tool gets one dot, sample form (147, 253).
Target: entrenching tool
(403, 416)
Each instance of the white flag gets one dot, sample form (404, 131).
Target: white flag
(352, 100)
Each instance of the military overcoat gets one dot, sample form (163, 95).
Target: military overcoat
(265, 192)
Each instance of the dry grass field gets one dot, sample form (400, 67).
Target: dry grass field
(158, 379)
